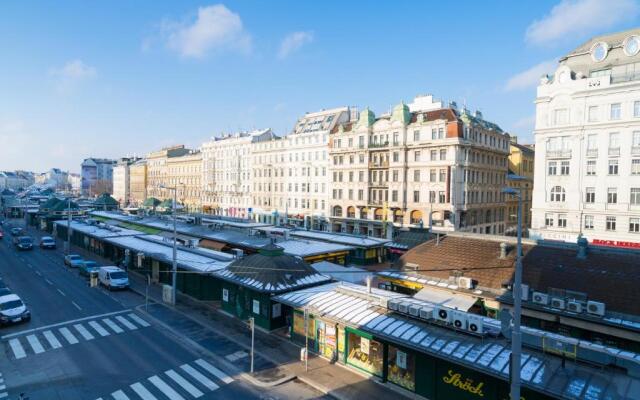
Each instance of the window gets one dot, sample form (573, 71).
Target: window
(416, 156)
(635, 166)
(434, 155)
(443, 154)
(591, 167)
(634, 225)
(416, 175)
(564, 168)
(615, 111)
(443, 175)
(588, 222)
(590, 195)
(416, 196)
(394, 176)
(614, 140)
(394, 195)
(611, 223)
(613, 167)
(612, 196)
(635, 139)
(441, 197)
(557, 194)
(416, 135)
(562, 220)
(432, 175)
(360, 176)
(593, 113)
(434, 134)
(360, 194)
(440, 133)
(396, 156)
(552, 168)
(432, 196)
(560, 116)
(634, 197)
(548, 219)
(592, 142)
(636, 108)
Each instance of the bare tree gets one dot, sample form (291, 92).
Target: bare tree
(100, 186)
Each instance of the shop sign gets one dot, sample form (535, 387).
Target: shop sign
(256, 307)
(330, 335)
(276, 310)
(225, 295)
(401, 359)
(364, 345)
(616, 243)
(456, 380)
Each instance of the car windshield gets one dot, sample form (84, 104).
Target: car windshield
(118, 275)
(90, 264)
(25, 240)
(75, 258)
(47, 240)
(10, 304)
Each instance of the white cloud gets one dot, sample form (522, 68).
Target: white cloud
(72, 74)
(215, 27)
(572, 18)
(530, 77)
(293, 42)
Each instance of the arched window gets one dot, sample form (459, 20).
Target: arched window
(416, 217)
(557, 194)
(337, 211)
(378, 214)
(351, 212)
(397, 216)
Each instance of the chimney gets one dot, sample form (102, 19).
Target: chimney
(368, 283)
(583, 244)
(503, 250)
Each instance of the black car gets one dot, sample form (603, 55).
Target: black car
(24, 243)
(47, 242)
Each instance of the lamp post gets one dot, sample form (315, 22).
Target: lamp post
(516, 336)
(68, 244)
(174, 268)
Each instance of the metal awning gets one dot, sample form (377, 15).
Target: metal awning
(445, 298)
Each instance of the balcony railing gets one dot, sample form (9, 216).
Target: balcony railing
(592, 152)
(379, 145)
(564, 153)
(614, 151)
(383, 164)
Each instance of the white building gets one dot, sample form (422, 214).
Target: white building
(121, 182)
(587, 167)
(226, 173)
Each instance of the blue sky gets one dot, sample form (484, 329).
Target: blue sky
(107, 79)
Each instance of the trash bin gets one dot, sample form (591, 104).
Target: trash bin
(93, 278)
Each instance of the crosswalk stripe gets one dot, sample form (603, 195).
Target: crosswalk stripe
(35, 344)
(119, 395)
(68, 335)
(142, 391)
(126, 322)
(53, 341)
(199, 377)
(98, 328)
(83, 331)
(139, 320)
(18, 351)
(112, 325)
(3, 395)
(215, 371)
(177, 378)
(165, 389)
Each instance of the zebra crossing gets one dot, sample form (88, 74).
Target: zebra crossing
(3, 388)
(57, 337)
(188, 381)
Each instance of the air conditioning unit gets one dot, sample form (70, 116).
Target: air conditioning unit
(460, 320)
(557, 303)
(403, 308)
(574, 306)
(595, 308)
(393, 304)
(525, 292)
(476, 324)
(414, 310)
(442, 314)
(540, 298)
(426, 313)
(465, 282)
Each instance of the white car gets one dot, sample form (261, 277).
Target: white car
(113, 278)
(12, 310)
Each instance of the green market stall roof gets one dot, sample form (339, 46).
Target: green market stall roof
(151, 202)
(63, 205)
(272, 271)
(52, 202)
(105, 200)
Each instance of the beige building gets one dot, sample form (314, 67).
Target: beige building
(521, 164)
(422, 165)
(290, 174)
(138, 183)
(185, 173)
(157, 169)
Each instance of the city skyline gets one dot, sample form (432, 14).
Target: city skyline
(86, 89)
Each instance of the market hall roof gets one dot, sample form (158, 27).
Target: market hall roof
(272, 271)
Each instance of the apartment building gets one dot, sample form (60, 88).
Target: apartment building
(138, 183)
(185, 173)
(96, 176)
(423, 164)
(226, 173)
(121, 179)
(587, 174)
(521, 166)
(157, 169)
(290, 174)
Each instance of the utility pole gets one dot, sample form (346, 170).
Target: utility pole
(68, 247)
(174, 276)
(253, 324)
(306, 339)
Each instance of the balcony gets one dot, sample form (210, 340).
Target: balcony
(376, 202)
(564, 153)
(380, 164)
(592, 153)
(378, 145)
(614, 151)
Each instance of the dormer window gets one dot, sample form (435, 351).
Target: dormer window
(631, 45)
(599, 51)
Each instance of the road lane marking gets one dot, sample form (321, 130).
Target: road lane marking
(164, 388)
(139, 320)
(98, 328)
(199, 377)
(77, 306)
(177, 378)
(63, 323)
(68, 335)
(38, 273)
(236, 356)
(214, 371)
(142, 391)
(3, 395)
(119, 395)
(35, 344)
(53, 341)
(112, 325)
(126, 322)
(48, 281)
(83, 331)
(61, 292)
(18, 351)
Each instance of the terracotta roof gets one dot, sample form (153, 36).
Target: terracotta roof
(346, 127)
(448, 114)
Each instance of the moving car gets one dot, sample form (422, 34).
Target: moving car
(73, 260)
(113, 278)
(24, 243)
(47, 242)
(13, 310)
(16, 231)
(88, 267)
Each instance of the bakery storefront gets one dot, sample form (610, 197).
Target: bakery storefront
(364, 353)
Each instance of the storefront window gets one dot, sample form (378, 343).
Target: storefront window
(366, 354)
(298, 325)
(402, 368)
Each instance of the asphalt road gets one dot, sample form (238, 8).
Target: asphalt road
(88, 343)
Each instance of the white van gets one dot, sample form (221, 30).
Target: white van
(113, 278)
(12, 310)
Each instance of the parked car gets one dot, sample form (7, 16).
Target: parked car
(88, 267)
(73, 260)
(1, 235)
(16, 231)
(113, 278)
(47, 242)
(24, 243)
(13, 310)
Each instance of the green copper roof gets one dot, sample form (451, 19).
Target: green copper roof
(367, 118)
(401, 113)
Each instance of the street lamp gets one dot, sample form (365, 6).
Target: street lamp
(516, 338)
(68, 244)
(174, 273)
